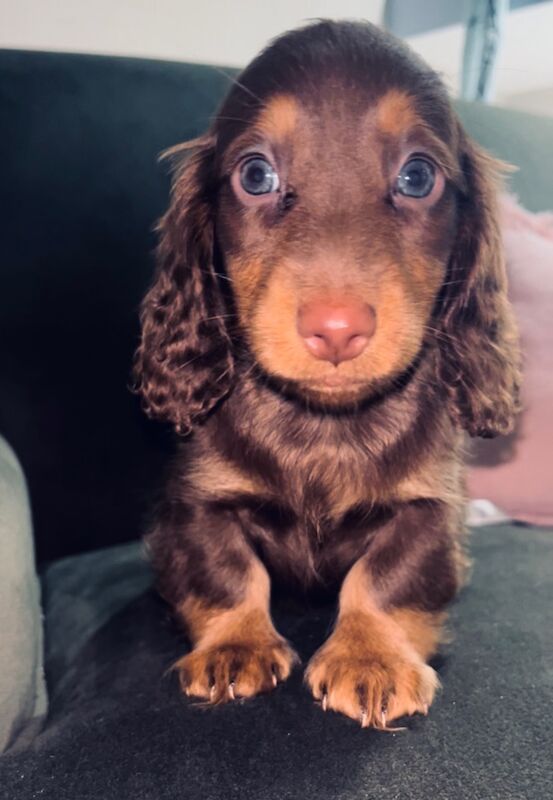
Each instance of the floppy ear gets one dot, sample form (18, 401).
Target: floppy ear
(184, 364)
(480, 358)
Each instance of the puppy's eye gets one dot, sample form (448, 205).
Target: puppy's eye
(258, 177)
(416, 178)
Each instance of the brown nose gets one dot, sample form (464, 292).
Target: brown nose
(338, 332)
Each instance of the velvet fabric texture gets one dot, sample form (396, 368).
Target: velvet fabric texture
(80, 193)
(119, 728)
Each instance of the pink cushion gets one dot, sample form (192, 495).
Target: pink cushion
(516, 472)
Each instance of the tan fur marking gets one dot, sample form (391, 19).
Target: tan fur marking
(279, 348)
(237, 651)
(247, 273)
(395, 113)
(279, 117)
(437, 477)
(208, 625)
(214, 476)
(345, 493)
(345, 485)
(372, 668)
(399, 325)
(424, 630)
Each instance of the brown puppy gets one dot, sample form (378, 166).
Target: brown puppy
(328, 315)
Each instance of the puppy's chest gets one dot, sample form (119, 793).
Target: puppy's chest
(314, 512)
(317, 487)
(321, 520)
(324, 486)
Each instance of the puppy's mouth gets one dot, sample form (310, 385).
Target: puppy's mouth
(335, 389)
(334, 383)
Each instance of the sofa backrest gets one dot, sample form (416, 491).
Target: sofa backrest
(522, 140)
(81, 191)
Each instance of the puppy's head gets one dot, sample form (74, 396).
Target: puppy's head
(353, 224)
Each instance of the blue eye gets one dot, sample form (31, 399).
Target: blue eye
(258, 177)
(416, 178)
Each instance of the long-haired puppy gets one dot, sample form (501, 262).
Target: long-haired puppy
(328, 316)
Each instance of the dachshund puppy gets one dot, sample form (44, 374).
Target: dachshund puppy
(328, 316)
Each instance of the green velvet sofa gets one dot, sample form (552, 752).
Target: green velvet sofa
(81, 189)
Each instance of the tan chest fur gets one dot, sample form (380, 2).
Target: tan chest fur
(337, 476)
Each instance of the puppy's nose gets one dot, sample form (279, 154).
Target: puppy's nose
(336, 333)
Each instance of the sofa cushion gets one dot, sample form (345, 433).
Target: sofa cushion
(120, 729)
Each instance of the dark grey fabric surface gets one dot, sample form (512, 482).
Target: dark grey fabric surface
(81, 594)
(119, 729)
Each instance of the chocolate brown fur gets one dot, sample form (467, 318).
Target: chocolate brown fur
(283, 477)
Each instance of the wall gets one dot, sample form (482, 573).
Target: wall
(230, 32)
(213, 31)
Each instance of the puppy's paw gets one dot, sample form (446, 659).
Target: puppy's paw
(231, 670)
(372, 686)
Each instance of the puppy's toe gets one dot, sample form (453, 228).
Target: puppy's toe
(370, 688)
(233, 670)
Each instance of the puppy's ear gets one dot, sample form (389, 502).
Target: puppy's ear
(184, 363)
(480, 358)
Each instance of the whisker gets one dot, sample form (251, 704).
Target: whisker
(224, 277)
(446, 336)
(236, 82)
(217, 316)
(231, 119)
(453, 283)
(223, 374)
(190, 361)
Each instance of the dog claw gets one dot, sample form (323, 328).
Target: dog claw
(324, 702)
(364, 718)
(275, 680)
(231, 691)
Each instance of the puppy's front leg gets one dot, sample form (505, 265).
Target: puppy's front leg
(237, 651)
(220, 591)
(373, 667)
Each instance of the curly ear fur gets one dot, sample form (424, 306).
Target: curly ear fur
(480, 358)
(184, 365)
